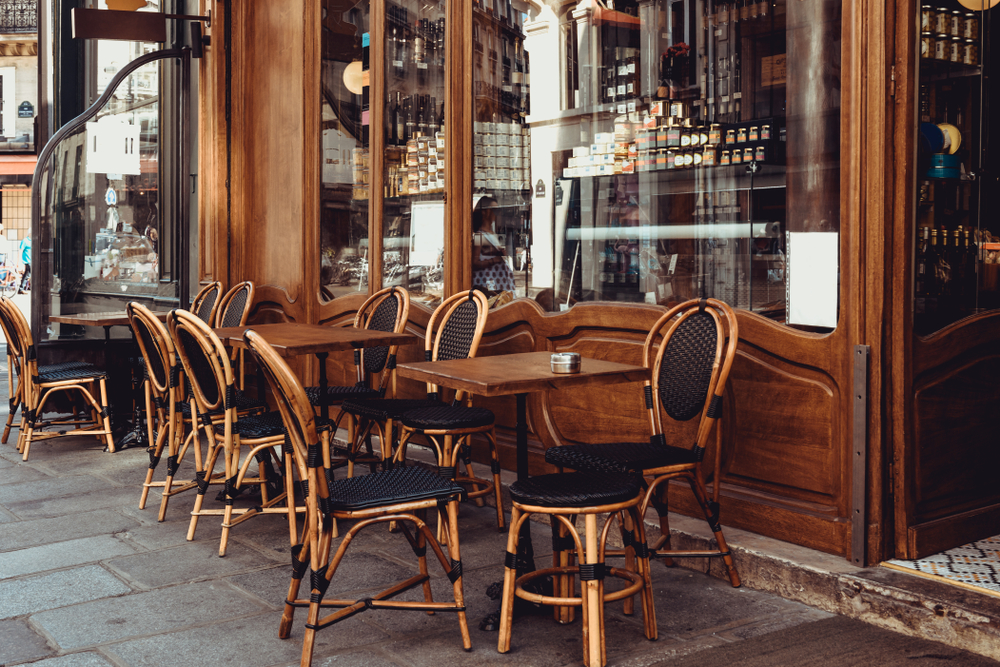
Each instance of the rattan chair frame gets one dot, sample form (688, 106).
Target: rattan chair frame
(229, 444)
(209, 294)
(590, 551)
(386, 377)
(656, 480)
(36, 393)
(15, 378)
(222, 313)
(452, 445)
(165, 423)
(432, 342)
(315, 551)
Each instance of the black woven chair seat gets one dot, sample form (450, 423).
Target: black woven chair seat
(398, 485)
(340, 394)
(447, 417)
(618, 457)
(65, 366)
(267, 425)
(575, 489)
(381, 409)
(61, 373)
(243, 404)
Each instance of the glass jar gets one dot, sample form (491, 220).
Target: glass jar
(715, 134)
(737, 156)
(955, 48)
(970, 52)
(957, 23)
(730, 137)
(928, 19)
(940, 47)
(724, 158)
(942, 21)
(741, 135)
(970, 27)
(927, 44)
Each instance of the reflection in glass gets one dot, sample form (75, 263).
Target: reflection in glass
(345, 178)
(100, 206)
(667, 155)
(414, 171)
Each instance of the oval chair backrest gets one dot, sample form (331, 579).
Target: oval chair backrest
(691, 364)
(206, 301)
(235, 306)
(156, 347)
(459, 322)
(206, 364)
(296, 412)
(10, 328)
(386, 310)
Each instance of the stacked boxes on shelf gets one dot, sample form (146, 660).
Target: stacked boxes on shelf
(501, 154)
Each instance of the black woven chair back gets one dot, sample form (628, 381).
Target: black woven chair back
(686, 366)
(296, 412)
(204, 302)
(464, 317)
(384, 318)
(235, 306)
(10, 329)
(154, 343)
(206, 364)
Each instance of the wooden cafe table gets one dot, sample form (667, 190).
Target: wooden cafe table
(136, 435)
(518, 374)
(294, 338)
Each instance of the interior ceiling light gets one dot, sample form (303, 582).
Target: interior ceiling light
(353, 76)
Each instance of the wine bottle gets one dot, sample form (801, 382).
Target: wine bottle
(400, 120)
(922, 270)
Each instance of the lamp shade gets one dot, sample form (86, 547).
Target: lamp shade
(353, 77)
(978, 5)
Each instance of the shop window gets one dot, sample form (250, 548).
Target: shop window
(691, 150)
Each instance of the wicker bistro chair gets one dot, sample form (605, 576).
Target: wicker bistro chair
(455, 328)
(386, 310)
(449, 427)
(563, 496)
(401, 494)
(165, 423)
(232, 312)
(210, 375)
(71, 377)
(690, 358)
(16, 375)
(206, 302)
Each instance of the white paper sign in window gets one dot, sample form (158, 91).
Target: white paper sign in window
(112, 147)
(812, 282)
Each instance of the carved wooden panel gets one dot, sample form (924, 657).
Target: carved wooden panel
(953, 497)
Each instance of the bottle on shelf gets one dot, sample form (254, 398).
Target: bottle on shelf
(399, 120)
(922, 268)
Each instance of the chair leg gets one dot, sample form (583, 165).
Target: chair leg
(662, 510)
(456, 557)
(173, 461)
(627, 528)
(205, 478)
(711, 511)
(106, 418)
(495, 468)
(593, 639)
(154, 451)
(563, 584)
(642, 565)
(509, 579)
(300, 562)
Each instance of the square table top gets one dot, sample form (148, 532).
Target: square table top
(109, 319)
(519, 373)
(295, 338)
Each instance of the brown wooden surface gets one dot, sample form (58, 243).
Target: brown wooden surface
(112, 319)
(294, 338)
(522, 373)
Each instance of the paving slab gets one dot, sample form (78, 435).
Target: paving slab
(62, 554)
(193, 561)
(24, 473)
(247, 641)
(157, 535)
(25, 534)
(18, 643)
(58, 589)
(370, 658)
(75, 660)
(100, 498)
(143, 614)
(49, 487)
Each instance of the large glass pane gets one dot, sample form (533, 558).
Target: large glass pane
(345, 180)
(957, 250)
(102, 237)
(413, 222)
(673, 149)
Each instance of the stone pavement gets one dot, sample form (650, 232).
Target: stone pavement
(88, 579)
